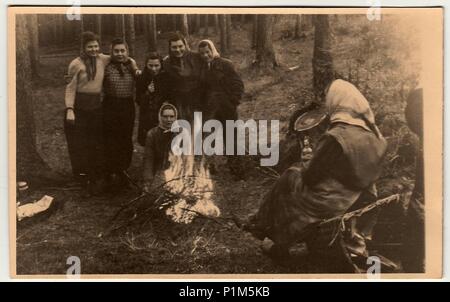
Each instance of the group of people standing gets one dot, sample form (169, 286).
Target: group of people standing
(100, 99)
(100, 111)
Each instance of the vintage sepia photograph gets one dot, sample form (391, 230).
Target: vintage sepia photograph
(240, 142)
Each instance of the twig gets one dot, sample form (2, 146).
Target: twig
(267, 173)
(215, 219)
(359, 212)
(132, 181)
(123, 207)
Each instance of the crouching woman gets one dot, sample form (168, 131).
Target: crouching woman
(345, 163)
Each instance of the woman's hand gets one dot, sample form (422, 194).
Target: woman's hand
(151, 87)
(70, 116)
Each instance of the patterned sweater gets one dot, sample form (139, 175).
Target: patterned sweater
(119, 80)
(78, 78)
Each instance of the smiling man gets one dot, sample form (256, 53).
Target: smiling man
(183, 68)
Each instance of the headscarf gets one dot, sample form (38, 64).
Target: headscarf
(163, 107)
(211, 46)
(345, 104)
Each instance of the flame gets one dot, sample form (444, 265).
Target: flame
(189, 178)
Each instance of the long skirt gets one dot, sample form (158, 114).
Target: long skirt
(291, 206)
(85, 137)
(118, 123)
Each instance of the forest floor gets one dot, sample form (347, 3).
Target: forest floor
(78, 226)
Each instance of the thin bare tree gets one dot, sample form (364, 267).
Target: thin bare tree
(130, 33)
(216, 24)
(322, 60)
(119, 28)
(185, 26)
(32, 26)
(223, 34)
(254, 30)
(206, 25)
(228, 31)
(151, 32)
(297, 27)
(98, 25)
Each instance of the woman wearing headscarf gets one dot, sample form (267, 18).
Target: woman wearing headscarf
(345, 164)
(158, 144)
(224, 87)
(83, 120)
(151, 91)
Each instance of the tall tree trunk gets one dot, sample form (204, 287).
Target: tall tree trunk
(254, 31)
(174, 22)
(195, 23)
(228, 31)
(59, 23)
(146, 29)
(223, 34)
(216, 24)
(82, 25)
(54, 28)
(265, 53)
(306, 22)
(323, 72)
(138, 20)
(206, 32)
(29, 164)
(32, 26)
(151, 33)
(297, 27)
(130, 33)
(66, 30)
(185, 26)
(81, 29)
(98, 25)
(119, 27)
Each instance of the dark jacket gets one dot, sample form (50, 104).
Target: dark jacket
(185, 90)
(156, 154)
(183, 73)
(150, 102)
(222, 77)
(161, 82)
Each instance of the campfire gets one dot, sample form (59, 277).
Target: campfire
(189, 183)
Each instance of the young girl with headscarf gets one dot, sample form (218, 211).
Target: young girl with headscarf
(158, 144)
